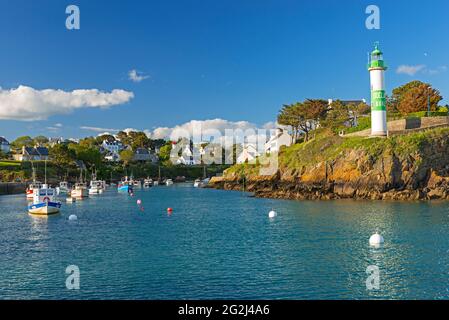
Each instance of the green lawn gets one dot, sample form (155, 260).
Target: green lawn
(10, 164)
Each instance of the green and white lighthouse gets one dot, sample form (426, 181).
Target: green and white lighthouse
(377, 69)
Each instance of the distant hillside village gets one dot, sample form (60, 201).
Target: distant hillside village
(135, 146)
(296, 123)
(130, 147)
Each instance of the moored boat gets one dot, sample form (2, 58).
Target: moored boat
(80, 191)
(32, 188)
(148, 183)
(63, 188)
(96, 186)
(44, 202)
(168, 182)
(197, 183)
(125, 185)
(137, 184)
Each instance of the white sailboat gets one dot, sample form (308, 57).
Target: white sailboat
(80, 191)
(96, 186)
(44, 202)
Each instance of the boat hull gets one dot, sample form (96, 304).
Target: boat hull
(80, 194)
(123, 188)
(45, 208)
(95, 191)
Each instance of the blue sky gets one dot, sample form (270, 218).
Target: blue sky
(235, 59)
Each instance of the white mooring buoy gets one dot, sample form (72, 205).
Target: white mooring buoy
(376, 239)
(272, 214)
(73, 217)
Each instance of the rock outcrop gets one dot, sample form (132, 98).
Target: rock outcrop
(397, 172)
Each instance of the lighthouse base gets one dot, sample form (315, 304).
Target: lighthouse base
(379, 133)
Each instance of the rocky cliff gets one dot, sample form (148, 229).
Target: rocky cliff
(407, 167)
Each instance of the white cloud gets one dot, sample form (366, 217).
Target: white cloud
(437, 70)
(128, 130)
(98, 129)
(136, 76)
(241, 129)
(26, 103)
(421, 68)
(410, 70)
(208, 128)
(109, 131)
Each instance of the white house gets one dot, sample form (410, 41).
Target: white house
(32, 154)
(56, 140)
(112, 157)
(4, 145)
(112, 146)
(112, 150)
(281, 138)
(186, 156)
(249, 153)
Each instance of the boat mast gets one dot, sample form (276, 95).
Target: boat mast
(33, 172)
(45, 170)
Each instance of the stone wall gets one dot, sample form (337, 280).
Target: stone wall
(405, 126)
(12, 188)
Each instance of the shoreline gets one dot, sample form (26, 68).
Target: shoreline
(275, 189)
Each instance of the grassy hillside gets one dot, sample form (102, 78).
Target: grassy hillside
(328, 147)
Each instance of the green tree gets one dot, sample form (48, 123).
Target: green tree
(139, 140)
(40, 140)
(126, 156)
(303, 117)
(337, 116)
(123, 137)
(99, 139)
(61, 155)
(24, 141)
(89, 142)
(164, 152)
(91, 156)
(413, 97)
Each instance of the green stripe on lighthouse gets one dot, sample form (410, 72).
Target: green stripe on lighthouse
(378, 100)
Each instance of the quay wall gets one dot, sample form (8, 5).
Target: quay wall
(12, 188)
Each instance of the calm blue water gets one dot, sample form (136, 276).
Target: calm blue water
(220, 244)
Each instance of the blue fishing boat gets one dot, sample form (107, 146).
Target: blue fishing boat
(125, 185)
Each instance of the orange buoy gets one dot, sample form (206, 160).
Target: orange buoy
(169, 210)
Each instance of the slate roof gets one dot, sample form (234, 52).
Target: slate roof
(142, 151)
(3, 141)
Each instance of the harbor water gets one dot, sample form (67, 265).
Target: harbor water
(222, 245)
